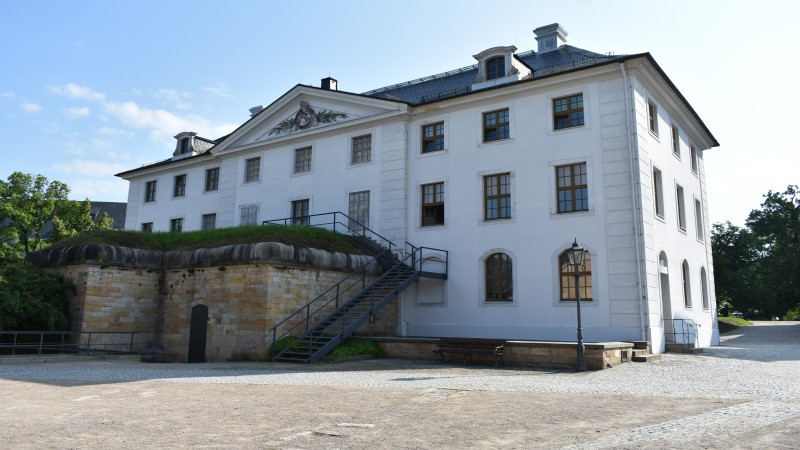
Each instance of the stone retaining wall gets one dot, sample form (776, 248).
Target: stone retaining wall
(247, 289)
(559, 355)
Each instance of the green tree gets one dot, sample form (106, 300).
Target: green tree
(757, 268)
(28, 203)
(777, 226)
(31, 300)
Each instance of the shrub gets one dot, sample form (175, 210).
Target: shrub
(357, 347)
(32, 300)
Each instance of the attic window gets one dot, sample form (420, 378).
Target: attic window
(496, 68)
(184, 145)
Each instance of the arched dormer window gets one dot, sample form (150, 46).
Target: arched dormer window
(184, 145)
(567, 278)
(496, 68)
(499, 278)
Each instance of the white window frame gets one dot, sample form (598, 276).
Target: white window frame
(249, 206)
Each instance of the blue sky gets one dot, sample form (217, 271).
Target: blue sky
(92, 88)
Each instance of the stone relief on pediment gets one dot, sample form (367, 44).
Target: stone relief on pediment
(305, 118)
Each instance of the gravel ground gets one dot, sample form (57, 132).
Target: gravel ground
(743, 394)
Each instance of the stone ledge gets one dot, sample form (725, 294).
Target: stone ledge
(262, 252)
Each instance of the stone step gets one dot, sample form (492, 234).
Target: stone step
(682, 348)
(639, 345)
(645, 357)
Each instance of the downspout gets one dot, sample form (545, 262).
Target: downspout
(403, 325)
(637, 199)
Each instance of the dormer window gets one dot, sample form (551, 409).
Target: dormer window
(184, 145)
(499, 65)
(496, 68)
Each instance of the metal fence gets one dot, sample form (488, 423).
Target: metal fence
(67, 342)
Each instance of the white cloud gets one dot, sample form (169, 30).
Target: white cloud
(106, 188)
(179, 100)
(74, 91)
(7, 94)
(30, 107)
(101, 144)
(77, 112)
(219, 89)
(115, 132)
(163, 124)
(87, 168)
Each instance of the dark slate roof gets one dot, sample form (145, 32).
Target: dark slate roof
(459, 81)
(115, 210)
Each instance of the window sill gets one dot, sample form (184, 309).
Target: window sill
(432, 227)
(682, 230)
(677, 156)
(179, 197)
(571, 303)
(564, 215)
(503, 303)
(429, 154)
(567, 129)
(496, 142)
(497, 221)
(660, 218)
(654, 134)
(300, 174)
(248, 183)
(211, 192)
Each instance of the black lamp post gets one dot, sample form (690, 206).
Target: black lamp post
(577, 256)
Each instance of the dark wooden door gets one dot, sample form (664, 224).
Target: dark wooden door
(197, 334)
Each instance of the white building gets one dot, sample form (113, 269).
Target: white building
(503, 163)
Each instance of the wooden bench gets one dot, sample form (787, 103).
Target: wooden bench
(469, 347)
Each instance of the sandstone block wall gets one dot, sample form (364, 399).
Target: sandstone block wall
(249, 290)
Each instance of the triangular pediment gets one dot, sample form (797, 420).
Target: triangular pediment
(305, 110)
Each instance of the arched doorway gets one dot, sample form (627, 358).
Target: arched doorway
(666, 305)
(197, 334)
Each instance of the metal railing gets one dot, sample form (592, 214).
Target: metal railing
(60, 342)
(682, 331)
(338, 222)
(385, 252)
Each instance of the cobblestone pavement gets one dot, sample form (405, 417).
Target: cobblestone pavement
(748, 388)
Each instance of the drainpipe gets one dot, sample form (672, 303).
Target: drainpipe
(637, 200)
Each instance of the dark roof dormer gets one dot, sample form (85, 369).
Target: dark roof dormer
(499, 65)
(190, 144)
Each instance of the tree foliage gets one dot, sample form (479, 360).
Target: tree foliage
(30, 205)
(757, 268)
(31, 300)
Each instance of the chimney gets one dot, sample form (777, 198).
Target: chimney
(329, 84)
(550, 37)
(255, 110)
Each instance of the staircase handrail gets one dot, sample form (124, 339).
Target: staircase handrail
(688, 330)
(360, 272)
(357, 228)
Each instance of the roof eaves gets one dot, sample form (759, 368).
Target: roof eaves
(161, 163)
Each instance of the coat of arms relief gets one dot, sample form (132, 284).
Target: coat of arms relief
(306, 118)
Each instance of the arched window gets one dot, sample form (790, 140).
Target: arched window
(499, 280)
(496, 68)
(567, 278)
(687, 293)
(704, 287)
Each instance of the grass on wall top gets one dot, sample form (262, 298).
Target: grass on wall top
(191, 240)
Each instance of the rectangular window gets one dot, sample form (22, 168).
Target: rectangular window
(358, 210)
(180, 186)
(572, 188)
(362, 149)
(248, 215)
(252, 169)
(212, 179)
(658, 193)
(497, 196)
(302, 160)
(432, 204)
(496, 125)
(698, 219)
(681, 208)
(652, 117)
(300, 212)
(693, 151)
(150, 191)
(209, 222)
(568, 111)
(433, 137)
(147, 227)
(676, 141)
(176, 225)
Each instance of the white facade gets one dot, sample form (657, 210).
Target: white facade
(623, 229)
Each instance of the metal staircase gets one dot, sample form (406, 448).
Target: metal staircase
(323, 323)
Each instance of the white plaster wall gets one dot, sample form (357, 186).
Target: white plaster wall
(664, 234)
(535, 235)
